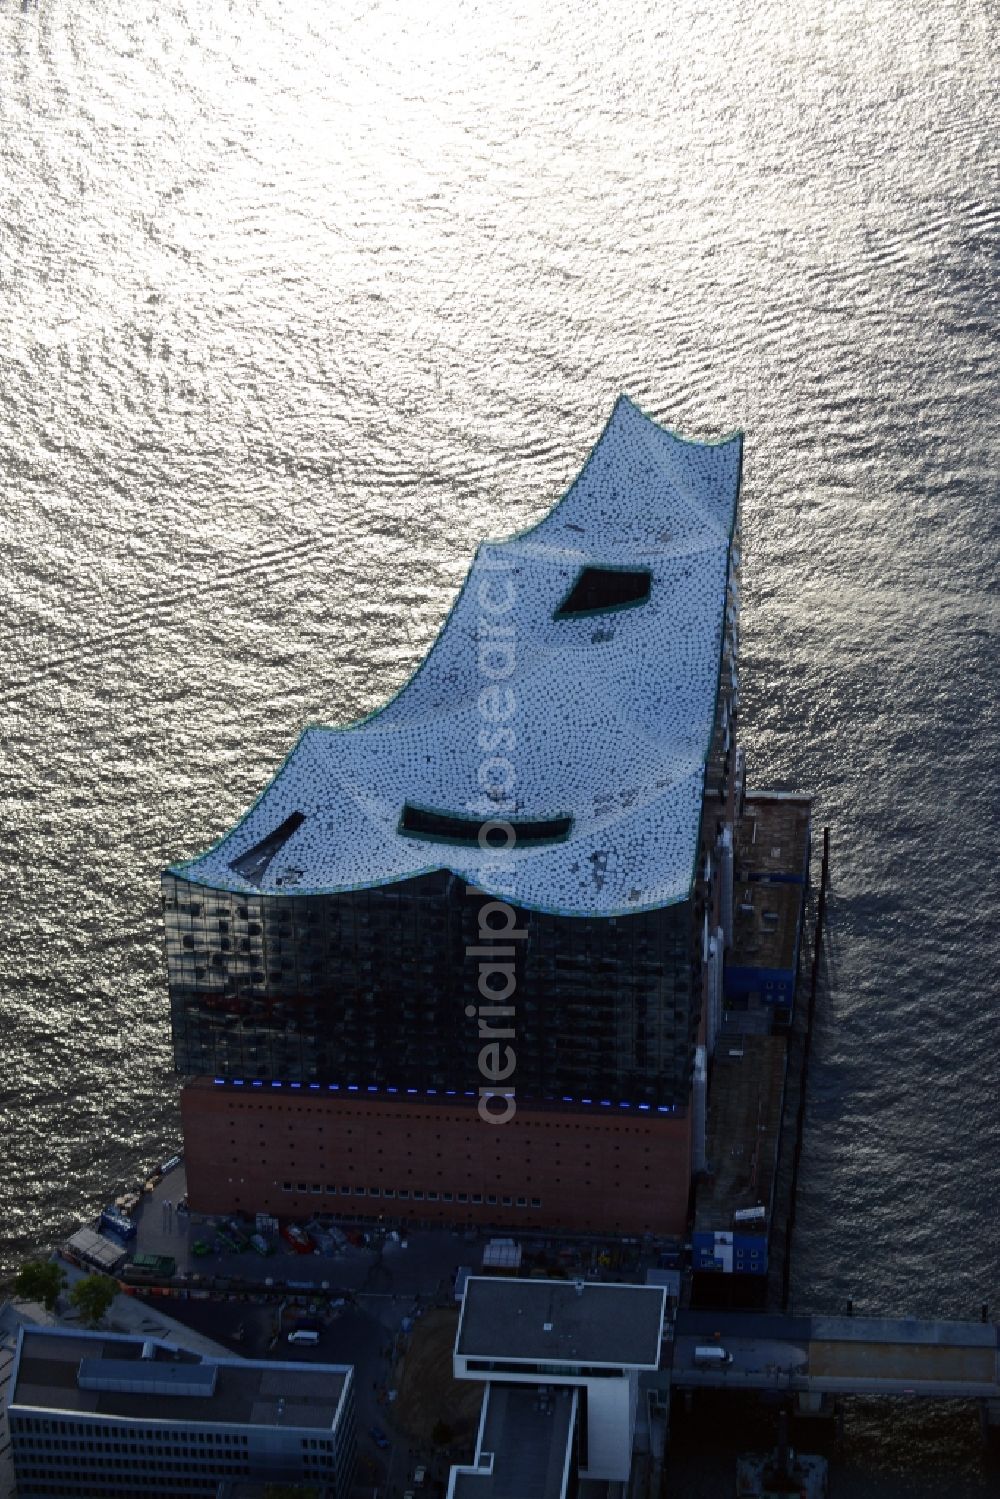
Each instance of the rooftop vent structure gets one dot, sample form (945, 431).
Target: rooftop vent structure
(138, 1376)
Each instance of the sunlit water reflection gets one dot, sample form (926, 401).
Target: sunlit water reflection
(296, 305)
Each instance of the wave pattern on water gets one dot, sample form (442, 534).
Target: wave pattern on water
(295, 308)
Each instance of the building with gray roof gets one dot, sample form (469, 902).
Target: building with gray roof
(526, 1448)
(577, 1323)
(94, 1414)
(562, 1361)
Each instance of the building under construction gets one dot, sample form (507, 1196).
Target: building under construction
(463, 961)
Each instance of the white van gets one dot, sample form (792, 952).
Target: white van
(712, 1356)
(304, 1335)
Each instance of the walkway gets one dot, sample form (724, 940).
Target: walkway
(840, 1355)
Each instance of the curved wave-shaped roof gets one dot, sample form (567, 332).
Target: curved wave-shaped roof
(595, 722)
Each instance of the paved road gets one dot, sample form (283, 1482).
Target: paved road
(819, 1356)
(361, 1335)
(428, 1262)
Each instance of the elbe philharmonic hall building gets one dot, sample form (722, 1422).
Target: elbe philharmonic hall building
(454, 964)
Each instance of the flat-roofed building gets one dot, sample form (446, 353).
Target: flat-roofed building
(97, 1414)
(774, 837)
(734, 1197)
(734, 1200)
(767, 933)
(526, 1447)
(547, 1338)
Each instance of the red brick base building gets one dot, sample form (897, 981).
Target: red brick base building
(295, 1154)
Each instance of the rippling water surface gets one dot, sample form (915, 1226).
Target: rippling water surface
(296, 304)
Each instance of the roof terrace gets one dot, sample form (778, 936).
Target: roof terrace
(773, 837)
(766, 925)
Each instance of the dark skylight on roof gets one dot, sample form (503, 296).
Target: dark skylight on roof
(452, 827)
(600, 589)
(253, 864)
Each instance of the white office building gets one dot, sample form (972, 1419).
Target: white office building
(95, 1414)
(562, 1361)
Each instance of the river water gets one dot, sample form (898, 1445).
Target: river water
(297, 303)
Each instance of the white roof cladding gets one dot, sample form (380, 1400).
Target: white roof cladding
(607, 715)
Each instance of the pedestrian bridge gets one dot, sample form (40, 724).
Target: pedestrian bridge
(839, 1355)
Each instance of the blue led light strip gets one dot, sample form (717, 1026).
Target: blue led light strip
(604, 1103)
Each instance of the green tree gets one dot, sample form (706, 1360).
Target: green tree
(92, 1296)
(442, 1434)
(40, 1280)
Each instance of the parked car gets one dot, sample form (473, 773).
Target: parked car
(712, 1356)
(296, 1238)
(379, 1437)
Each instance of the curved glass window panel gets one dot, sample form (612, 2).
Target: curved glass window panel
(253, 864)
(599, 590)
(453, 827)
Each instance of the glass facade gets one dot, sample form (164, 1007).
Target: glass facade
(373, 988)
(98, 1458)
(318, 944)
(279, 973)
